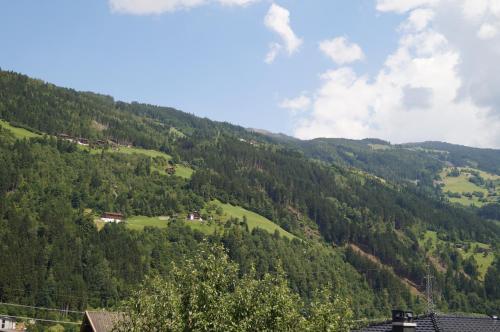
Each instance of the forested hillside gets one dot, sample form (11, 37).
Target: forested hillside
(359, 223)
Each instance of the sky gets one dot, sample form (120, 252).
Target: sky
(399, 70)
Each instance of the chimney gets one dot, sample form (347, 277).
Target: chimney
(402, 321)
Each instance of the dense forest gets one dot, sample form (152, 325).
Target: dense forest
(358, 209)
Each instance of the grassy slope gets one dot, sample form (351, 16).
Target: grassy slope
(380, 146)
(254, 220)
(18, 132)
(139, 222)
(181, 170)
(131, 150)
(176, 132)
(483, 262)
(205, 227)
(462, 184)
(149, 153)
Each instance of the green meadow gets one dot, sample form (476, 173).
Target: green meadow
(174, 131)
(182, 171)
(254, 220)
(146, 152)
(461, 184)
(131, 150)
(139, 222)
(483, 261)
(380, 146)
(18, 132)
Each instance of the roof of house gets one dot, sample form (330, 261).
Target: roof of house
(112, 214)
(444, 323)
(102, 321)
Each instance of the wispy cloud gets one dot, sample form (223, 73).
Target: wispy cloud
(403, 6)
(274, 50)
(156, 7)
(300, 103)
(278, 20)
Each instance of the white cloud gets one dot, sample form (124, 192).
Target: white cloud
(156, 7)
(341, 51)
(237, 2)
(487, 31)
(418, 19)
(402, 6)
(439, 84)
(274, 49)
(300, 103)
(278, 20)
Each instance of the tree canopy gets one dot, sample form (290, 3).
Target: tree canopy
(206, 293)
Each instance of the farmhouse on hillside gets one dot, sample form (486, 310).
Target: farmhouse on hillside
(83, 141)
(194, 216)
(66, 137)
(7, 323)
(170, 170)
(112, 217)
(99, 143)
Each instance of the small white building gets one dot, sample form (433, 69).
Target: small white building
(194, 216)
(112, 217)
(7, 324)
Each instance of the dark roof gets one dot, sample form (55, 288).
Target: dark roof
(444, 323)
(112, 214)
(472, 324)
(100, 321)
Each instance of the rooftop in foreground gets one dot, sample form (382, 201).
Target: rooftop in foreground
(435, 322)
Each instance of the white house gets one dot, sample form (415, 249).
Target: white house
(112, 217)
(194, 216)
(7, 324)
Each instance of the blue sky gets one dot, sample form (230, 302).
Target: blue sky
(209, 59)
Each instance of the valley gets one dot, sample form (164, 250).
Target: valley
(366, 215)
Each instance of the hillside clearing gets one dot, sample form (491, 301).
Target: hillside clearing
(139, 222)
(254, 220)
(430, 242)
(181, 170)
(146, 152)
(18, 132)
(465, 192)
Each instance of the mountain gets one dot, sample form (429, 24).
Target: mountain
(366, 216)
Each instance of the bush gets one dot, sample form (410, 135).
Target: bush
(477, 180)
